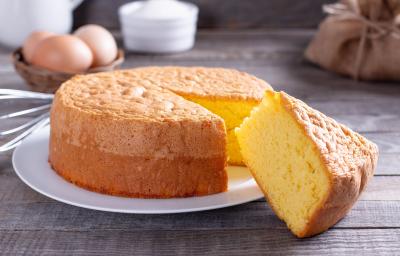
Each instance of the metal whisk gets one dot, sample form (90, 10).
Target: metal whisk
(29, 127)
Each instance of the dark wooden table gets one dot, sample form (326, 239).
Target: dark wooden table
(34, 224)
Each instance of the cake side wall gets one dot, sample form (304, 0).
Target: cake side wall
(109, 156)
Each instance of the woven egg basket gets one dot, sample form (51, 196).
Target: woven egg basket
(43, 80)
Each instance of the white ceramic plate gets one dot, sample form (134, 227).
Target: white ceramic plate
(31, 165)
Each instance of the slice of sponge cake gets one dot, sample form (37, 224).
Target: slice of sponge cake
(310, 168)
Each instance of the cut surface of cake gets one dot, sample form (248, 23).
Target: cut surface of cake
(229, 93)
(149, 132)
(310, 168)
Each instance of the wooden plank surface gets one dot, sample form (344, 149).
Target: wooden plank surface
(201, 242)
(33, 224)
(50, 215)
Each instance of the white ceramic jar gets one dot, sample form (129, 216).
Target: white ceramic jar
(158, 26)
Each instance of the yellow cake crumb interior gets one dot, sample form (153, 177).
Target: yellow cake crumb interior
(284, 162)
(233, 112)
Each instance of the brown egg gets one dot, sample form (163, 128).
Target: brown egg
(32, 41)
(100, 41)
(64, 53)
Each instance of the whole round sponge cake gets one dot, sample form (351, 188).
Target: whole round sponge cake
(126, 133)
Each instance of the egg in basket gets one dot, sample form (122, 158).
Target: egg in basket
(46, 60)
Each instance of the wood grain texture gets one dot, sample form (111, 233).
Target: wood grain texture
(232, 14)
(200, 242)
(36, 225)
(52, 215)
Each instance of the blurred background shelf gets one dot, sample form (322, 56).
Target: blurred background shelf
(221, 14)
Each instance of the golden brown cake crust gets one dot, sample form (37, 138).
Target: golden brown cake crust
(138, 176)
(109, 131)
(115, 113)
(350, 161)
(220, 83)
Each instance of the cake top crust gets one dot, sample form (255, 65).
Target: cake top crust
(153, 93)
(116, 94)
(343, 151)
(218, 83)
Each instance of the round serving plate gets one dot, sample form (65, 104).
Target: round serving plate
(30, 161)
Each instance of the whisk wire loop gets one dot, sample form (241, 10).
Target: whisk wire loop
(29, 127)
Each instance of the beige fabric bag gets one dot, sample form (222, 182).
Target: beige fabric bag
(359, 38)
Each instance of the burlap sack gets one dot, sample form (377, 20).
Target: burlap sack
(359, 38)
